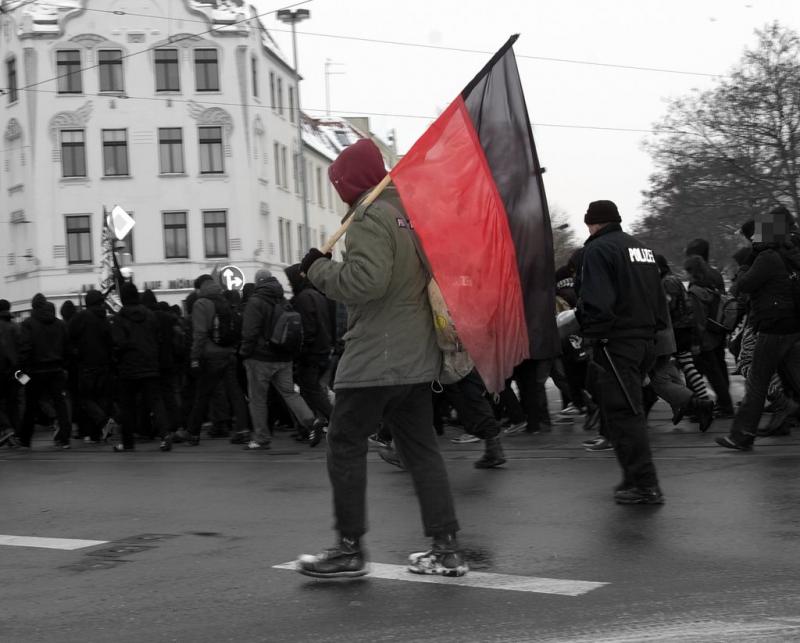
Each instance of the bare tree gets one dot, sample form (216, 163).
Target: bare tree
(728, 152)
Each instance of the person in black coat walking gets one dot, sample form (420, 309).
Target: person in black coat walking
(318, 333)
(43, 357)
(769, 278)
(135, 333)
(90, 339)
(9, 364)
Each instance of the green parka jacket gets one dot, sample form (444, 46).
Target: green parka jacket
(390, 338)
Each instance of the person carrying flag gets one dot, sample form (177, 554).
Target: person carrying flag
(390, 359)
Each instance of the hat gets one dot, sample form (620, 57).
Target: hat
(262, 274)
(129, 294)
(93, 298)
(5, 305)
(602, 212)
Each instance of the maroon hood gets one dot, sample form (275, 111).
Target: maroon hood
(357, 169)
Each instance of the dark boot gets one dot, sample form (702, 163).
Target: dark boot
(344, 560)
(493, 455)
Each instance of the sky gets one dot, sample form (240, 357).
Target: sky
(581, 113)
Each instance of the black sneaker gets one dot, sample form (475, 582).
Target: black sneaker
(193, 441)
(705, 414)
(316, 433)
(240, 437)
(730, 443)
(493, 455)
(388, 454)
(118, 448)
(345, 560)
(639, 496)
(166, 444)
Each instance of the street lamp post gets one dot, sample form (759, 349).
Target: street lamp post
(292, 17)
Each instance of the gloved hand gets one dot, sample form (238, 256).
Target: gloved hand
(311, 256)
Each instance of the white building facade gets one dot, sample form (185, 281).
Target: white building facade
(182, 112)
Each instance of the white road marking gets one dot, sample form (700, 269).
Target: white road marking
(48, 543)
(482, 580)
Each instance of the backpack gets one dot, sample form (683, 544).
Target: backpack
(226, 327)
(724, 313)
(681, 311)
(286, 334)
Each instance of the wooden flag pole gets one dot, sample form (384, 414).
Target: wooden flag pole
(376, 191)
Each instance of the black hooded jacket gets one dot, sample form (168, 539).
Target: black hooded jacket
(772, 305)
(620, 292)
(257, 323)
(134, 331)
(90, 337)
(44, 342)
(315, 312)
(10, 339)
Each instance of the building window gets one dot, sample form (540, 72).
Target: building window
(254, 74)
(295, 172)
(170, 150)
(73, 153)
(68, 68)
(320, 193)
(285, 240)
(330, 196)
(79, 239)
(11, 79)
(215, 233)
(211, 150)
(115, 152)
(109, 61)
(176, 238)
(206, 70)
(280, 96)
(291, 104)
(284, 167)
(167, 74)
(276, 154)
(272, 101)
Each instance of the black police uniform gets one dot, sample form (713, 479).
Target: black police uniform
(620, 308)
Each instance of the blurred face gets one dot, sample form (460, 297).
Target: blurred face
(770, 228)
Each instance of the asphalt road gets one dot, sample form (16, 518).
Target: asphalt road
(193, 537)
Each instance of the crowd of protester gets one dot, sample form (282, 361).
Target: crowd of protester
(154, 371)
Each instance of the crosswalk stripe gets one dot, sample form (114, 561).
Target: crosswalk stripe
(48, 543)
(482, 580)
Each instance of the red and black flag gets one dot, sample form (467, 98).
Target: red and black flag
(472, 188)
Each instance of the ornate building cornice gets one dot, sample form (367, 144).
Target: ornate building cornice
(62, 120)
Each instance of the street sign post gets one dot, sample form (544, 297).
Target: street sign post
(232, 278)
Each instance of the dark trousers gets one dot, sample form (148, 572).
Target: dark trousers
(137, 397)
(308, 374)
(407, 409)
(53, 385)
(531, 376)
(10, 402)
(626, 427)
(712, 364)
(93, 401)
(469, 400)
(770, 353)
(213, 373)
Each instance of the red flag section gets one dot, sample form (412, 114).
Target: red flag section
(472, 188)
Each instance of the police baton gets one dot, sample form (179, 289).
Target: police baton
(620, 382)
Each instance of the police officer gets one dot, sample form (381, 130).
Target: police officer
(621, 305)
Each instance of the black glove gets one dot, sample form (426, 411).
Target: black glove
(311, 256)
